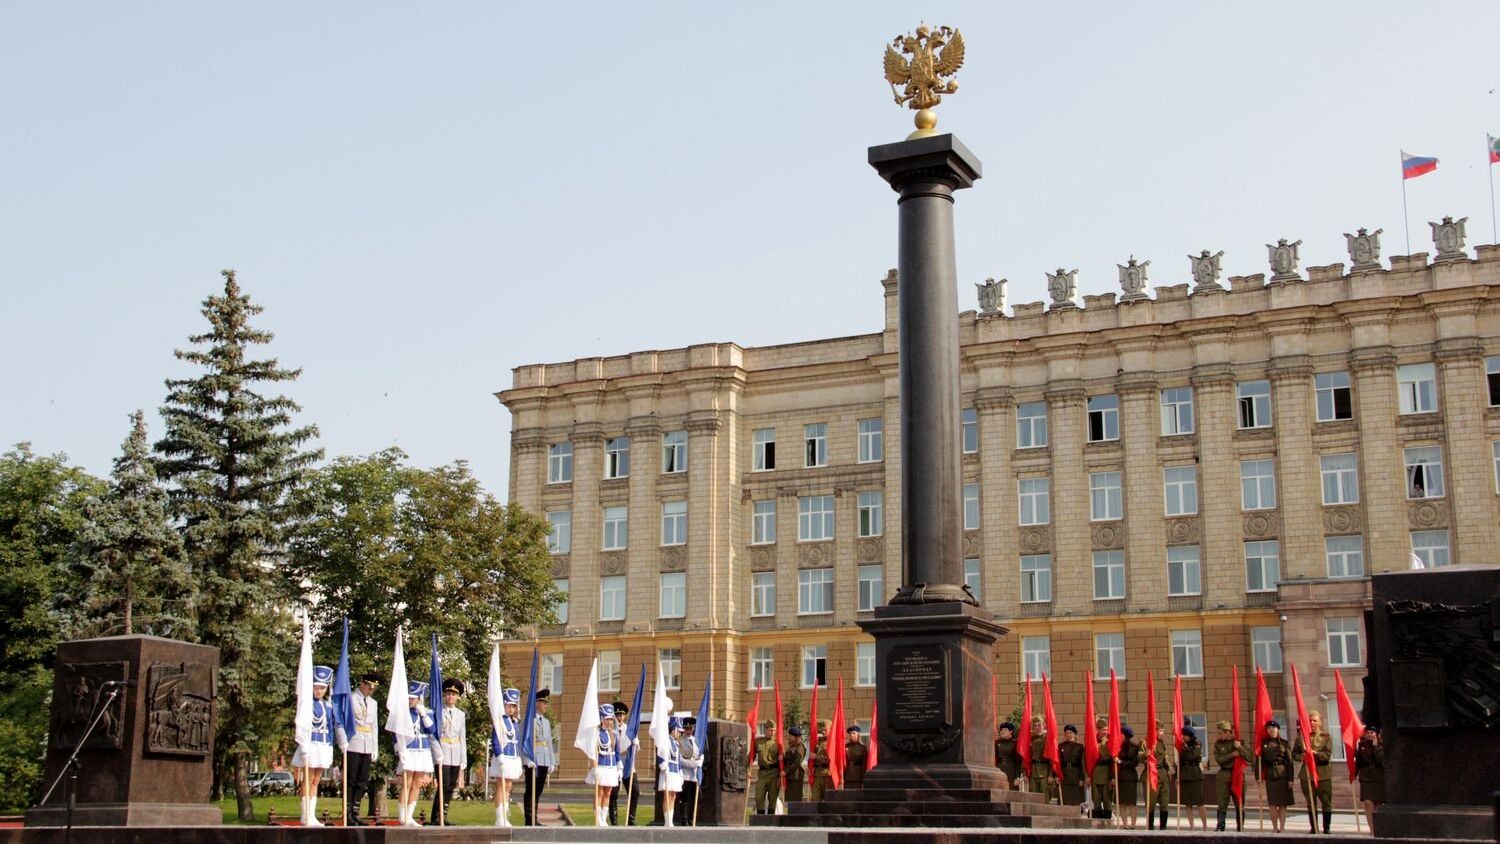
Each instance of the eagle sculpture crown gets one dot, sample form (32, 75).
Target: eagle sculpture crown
(923, 64)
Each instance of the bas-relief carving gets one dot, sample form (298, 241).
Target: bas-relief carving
(972, 545)
(674, 558)
(811, 554)
(1183, 531)
(1284, 258)
(1342, 520)
(1364, 249)
(1036, 539)
(1206, 270)
(180, 702)
(991, 296)
(83, 685)
(763, 559)
(1062, 286)
(1429, 513)
(733, 764)
(1448, 236)
(561, 565)
(613, 562)
(1444, 667)
(870, 550)
(1133, 280)
(1262, 525)
(1109, 536)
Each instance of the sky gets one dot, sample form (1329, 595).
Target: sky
(425, 196)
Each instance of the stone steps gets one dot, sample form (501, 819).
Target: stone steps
(933, 807)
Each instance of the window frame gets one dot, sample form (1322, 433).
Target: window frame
(1492, 379)
(974, 576)
(1252, 402)
(810, 593)
(1037, 579)
(869, 590)
(674, 452)
(968, 430)
(1344, 479)
(1113, 497)
(1416, 394)
(1114, 573)
(616, 458)
(1427, 558)
(670, 660)
(1177, 411)
(1191, 570)
(871, 440)
(814, 657)
(971, 506)
(1108, 410)
(560, 463)
(1260, 484)
(870, 511)
(762, 594)
(1101, 669)
(1038, 658)
(1263, 558)
(612, 592)
(1344, 555)
(762, 662)
(563, 585)
(763, 521)
(821, 518)
(815, 445)
(1044, 497)
(676, 583)
(609, 680)
(1031, 424)
(621, 532)
(1265, 641)
(674, 523)
(560, 534)
(1187, 643)
(1183, 490)
(1411, 468)
(1325, 383)
(864, 664)
(1349, 630)
(763, 450)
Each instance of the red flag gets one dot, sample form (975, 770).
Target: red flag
(837, 755)
(1050, 750)
(754, 715)
(1023, 737)
(1262, 709)
(1237, 773)
(812, 727)
(780, 741)
(1305, 729)
(872, 758)
(1177, 713)
(1151, 751)
(1090, 735)
(1349, 723)
(1116, 738)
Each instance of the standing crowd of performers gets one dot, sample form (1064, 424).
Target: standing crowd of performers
(782, 769)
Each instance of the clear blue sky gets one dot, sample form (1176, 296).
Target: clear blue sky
(424, 196)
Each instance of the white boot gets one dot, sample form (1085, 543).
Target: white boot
(411, 814)
(668, 820)
(312, 812)
(302, 811)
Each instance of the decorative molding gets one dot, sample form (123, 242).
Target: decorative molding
(870, 550)
(561, 565)
(763, 558)
(1431, 513)
(674, 558)
(1263, 524)
(1109, 535)
(1185, 531)
(927, 744)
(1379, 358)
(1036, 539)
(814, 554)
(613, 562)
(1343, 520)
(973, 546)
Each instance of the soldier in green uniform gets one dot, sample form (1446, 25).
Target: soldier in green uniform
(1073, 777)
(1226, 750)
(1129, 771)
(768, 770)
(793, 759)
(822, 779)
(1190, 761)
(1275, 769)
(855, 757)
(1369, 764)
(1159, 798)
(1043, 779)
(1008, 754)
(1322, 754)
(1103, 776)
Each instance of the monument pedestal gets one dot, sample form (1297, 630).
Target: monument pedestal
(724, 794)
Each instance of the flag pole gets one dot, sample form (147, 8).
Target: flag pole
(1489, 150)
(1405, 220)
(344, 786)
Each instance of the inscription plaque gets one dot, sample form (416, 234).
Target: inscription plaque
(917, 688)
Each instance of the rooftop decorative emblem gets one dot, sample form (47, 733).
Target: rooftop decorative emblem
(924, 65)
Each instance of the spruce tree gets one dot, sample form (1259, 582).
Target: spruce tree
(232, 456)
(129, 564)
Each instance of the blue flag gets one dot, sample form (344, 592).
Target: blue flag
(342, 700)
(633, 723)
(700, 732)
(436, 691)
(528, 718)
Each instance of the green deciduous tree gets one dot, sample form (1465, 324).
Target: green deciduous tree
(232, 456)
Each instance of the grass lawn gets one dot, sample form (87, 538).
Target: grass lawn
(464, 812)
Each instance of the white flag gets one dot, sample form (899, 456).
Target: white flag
(304, 719)
(661, 710)
(495, 695)
(588, 722)
(398, 711)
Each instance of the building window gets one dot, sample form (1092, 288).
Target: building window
(972, 577)
(1036, 578)
(970, 430)
(871, 587)
(1492, 379)
(814, 518)
(1255, 404)
(864, 664)
(1104, 418)
(671, 666)
(612, 598)
(1031, 425)
(1109, 654)
(763, 450)
(616, 527)
(1332, 726)
(560, 463)
(1431, 547)
(1495, 447)
(871, 440)
(814, 591)
(561, 585)
(673, 602)
(763, 593)
(1184, 570)
(1345, 555)
(1035, 500)
(1109, 575)
(762, 668)
(1343, 643)
(1176, 411)
(1181, 487)
(1262, 565)
(815, 445)
(1104, 497)
(1257, 484)
(1424, 472)
(971, 506)
(560, 537)
(871, 513)
(1036, 656)
(674, 523)
(1416, 388)
(1187, 653)
(609, 671)
(1265, 646)
(617, 458)
(1335, 401)
(763, 522)
(814, 666)
(674, 452)
(1340, 479)
(552, 672)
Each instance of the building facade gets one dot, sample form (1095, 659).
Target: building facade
(1178, 482)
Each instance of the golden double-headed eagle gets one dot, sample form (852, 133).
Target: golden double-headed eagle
(930, 56)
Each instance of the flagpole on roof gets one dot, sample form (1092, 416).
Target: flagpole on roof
(1405, 220)
(1489, 157)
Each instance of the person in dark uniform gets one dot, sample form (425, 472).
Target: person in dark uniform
(1073, 776)
(822, 779)
(1103, 776)
(1275, 769)
(1042, 780)
(1130, 776)
(856, 755)
(1321, 755)
(628, 784)
(767, 770)
(1226, 750)
(692, 773)
(535, 772)
(795, 764)
(1159, 798)
(1007, 754)
(1190, 776)
(1369, 764)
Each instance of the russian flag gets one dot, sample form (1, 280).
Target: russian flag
(1494, 148)
(1413, 166)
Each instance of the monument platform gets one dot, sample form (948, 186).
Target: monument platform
(887, 807)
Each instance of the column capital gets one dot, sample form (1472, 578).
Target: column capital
(704, 422)
(1456, 350)
(587, 433)
(1132, 383)
(1372, 358)
(1210, 375)
(643, 426)
(1065, 392)
(1290, 368)
(528, 438)
(994, 398)
(938, 158)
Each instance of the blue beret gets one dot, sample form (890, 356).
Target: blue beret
(794, 731)
(1127, 732)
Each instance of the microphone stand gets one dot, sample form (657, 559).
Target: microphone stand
(70, 767)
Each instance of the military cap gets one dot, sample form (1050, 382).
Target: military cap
(453, 685)
(1069, 728)
(794, 731)
(1225, 725)
(1273, 723)
(1006, 725)
(544, 694)
(370, 677)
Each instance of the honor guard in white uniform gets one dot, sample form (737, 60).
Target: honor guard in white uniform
(669, 766)
(314, 757)
(505, 755)
(546, 758)
(692, 770)
(414, 757)
(627, 785)
(452, 749)
(605, 764)
(362, 743)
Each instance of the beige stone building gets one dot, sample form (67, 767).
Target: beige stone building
(1174, 483)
